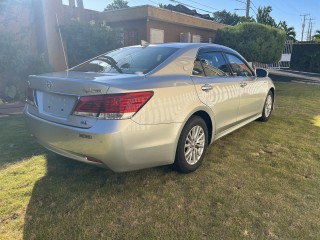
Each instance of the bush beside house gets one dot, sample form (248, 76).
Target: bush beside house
(17, 62)
(85, 40)
(256, 42)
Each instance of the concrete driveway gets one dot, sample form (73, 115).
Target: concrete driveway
(8, 109)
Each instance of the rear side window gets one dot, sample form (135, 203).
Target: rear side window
(239, 67)
(128, 60)
(210, 64)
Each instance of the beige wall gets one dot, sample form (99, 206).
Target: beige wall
(52, 10)
(140, 26)
(172, 31)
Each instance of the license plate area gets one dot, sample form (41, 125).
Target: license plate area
(55, 104)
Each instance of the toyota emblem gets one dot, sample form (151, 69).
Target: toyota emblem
(49, 84)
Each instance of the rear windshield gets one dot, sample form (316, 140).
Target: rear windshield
(133, 60)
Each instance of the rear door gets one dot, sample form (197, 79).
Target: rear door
(216, 87)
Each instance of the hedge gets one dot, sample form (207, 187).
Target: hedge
(255, 42)
(306, 57)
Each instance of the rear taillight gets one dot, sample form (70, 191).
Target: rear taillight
(30, 96)
(112, 106)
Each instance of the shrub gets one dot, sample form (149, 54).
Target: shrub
(17, 62)
(306, 57)
(87, 40)
(256, 42)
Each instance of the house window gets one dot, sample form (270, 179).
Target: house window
(196, 38)
(185, 37)
(156, 35)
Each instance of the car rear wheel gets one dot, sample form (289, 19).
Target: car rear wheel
(192, 145)
(267, 108)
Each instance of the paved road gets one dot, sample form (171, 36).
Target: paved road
(292, 76)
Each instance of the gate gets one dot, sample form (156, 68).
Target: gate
(284, 62)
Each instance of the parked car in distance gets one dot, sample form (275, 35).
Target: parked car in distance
(144, 106)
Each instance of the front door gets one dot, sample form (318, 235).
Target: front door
(252, 89)
(217, 88)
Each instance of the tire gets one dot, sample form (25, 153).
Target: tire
(267, 108)
(192, 145)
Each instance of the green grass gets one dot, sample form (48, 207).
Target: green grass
(260, 182)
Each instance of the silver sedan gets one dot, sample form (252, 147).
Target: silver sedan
(146, 106)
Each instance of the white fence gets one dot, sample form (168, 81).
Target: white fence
(284, 61)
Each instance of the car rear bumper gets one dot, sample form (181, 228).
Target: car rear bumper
(121, 145)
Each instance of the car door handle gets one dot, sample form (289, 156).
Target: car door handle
(243, 84)
(206, 87)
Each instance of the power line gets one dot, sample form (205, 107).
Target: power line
(154, 2)
(288, 13)
(204, 5)
(190, 6)
(241, 1)
(253, 10)
(254, 5)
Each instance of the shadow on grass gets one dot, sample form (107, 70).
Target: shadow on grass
(16, 143)
(73, 199)
(78, 201)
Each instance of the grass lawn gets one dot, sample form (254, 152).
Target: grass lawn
(260, 182)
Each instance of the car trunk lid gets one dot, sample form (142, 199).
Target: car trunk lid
(56, 95)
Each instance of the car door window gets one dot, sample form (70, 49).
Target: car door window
(239, 67)
(210, 64)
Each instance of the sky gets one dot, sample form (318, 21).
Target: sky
(284, 10)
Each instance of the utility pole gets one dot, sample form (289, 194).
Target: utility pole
(303, 24)
(309, 29)
(248, 9)
(311, 23)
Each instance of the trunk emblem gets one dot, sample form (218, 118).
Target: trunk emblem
(49, 84)
(90, 90)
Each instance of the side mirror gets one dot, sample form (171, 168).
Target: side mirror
(261, 73)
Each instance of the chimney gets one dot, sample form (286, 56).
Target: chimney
(80, 4)
(72, 3)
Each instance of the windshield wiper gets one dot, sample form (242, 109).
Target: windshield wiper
(112, 62)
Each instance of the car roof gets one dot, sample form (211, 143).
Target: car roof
(187, 46)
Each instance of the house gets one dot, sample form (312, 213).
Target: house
(159, 25)
(41, 19)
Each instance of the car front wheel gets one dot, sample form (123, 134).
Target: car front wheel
(192, 145)
(267, 108)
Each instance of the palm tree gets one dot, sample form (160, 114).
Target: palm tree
(316, 37)
(290, 32)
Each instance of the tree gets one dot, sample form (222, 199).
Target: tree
(117, 4)
(290, 32)
(256, 42)
(17, 62)
(229, 18)
(18, 56)
(316, 37)
(162, 5)
(85, 40)
(263, 16)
